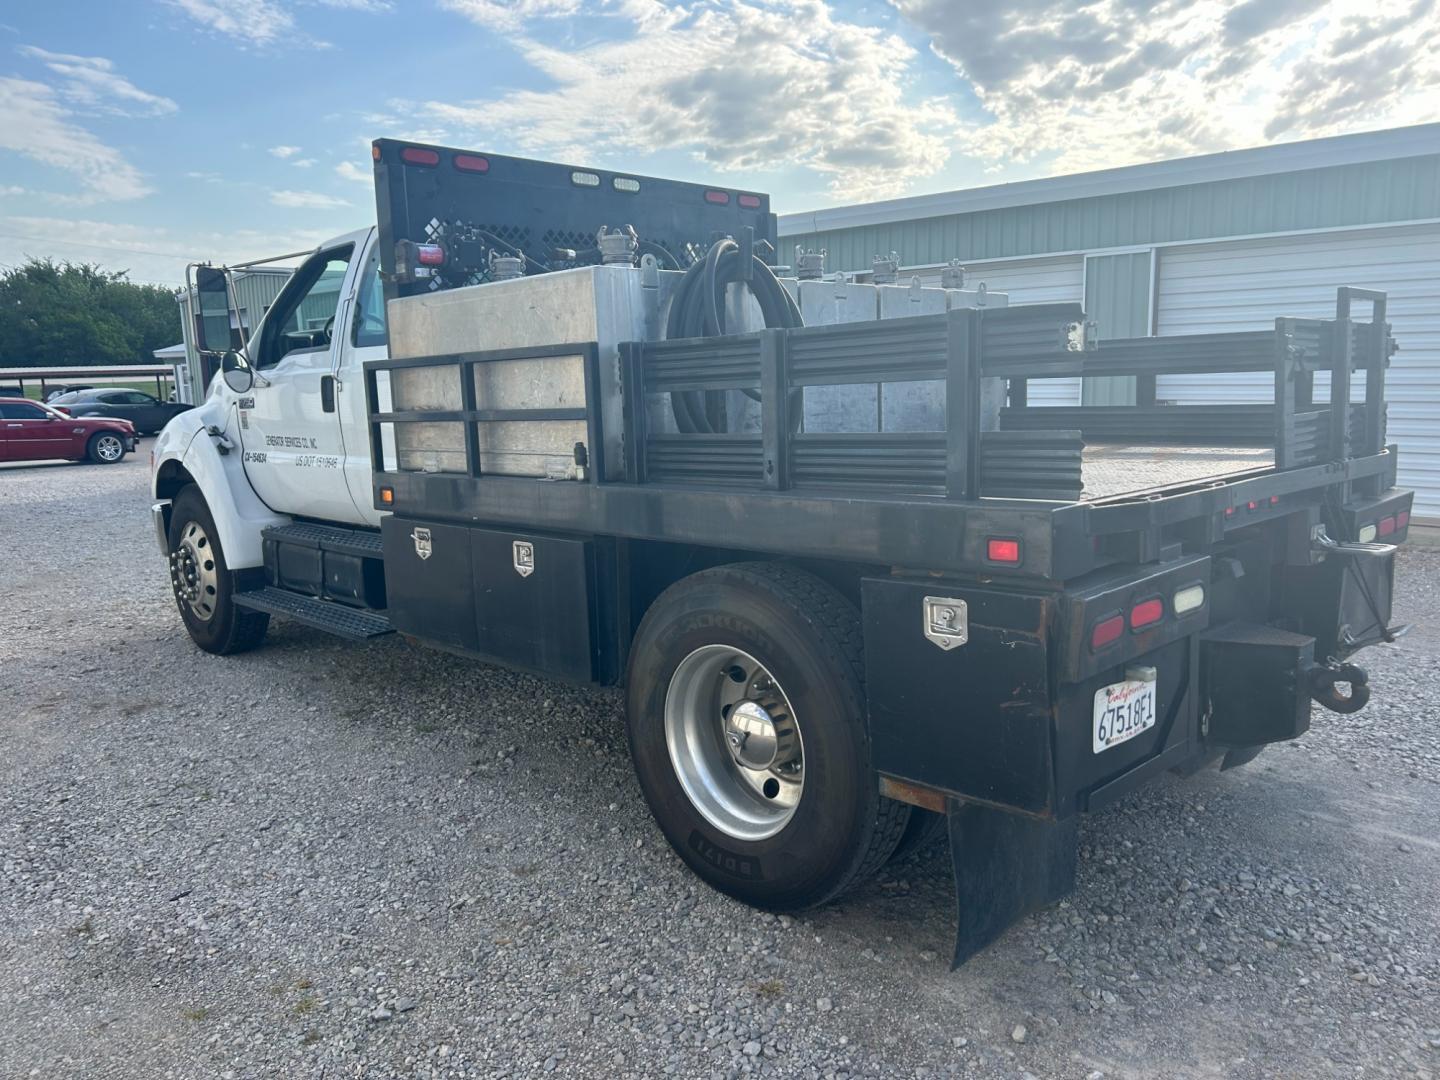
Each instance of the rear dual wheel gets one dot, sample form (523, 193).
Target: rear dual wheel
(747, 727)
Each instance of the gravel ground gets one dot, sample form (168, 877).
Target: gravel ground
(321, 860)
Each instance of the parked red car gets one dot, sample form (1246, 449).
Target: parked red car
(30, 431)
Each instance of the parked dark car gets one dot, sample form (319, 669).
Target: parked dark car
(148, 414)
(61, 391)
(30, 431)
(11, 391)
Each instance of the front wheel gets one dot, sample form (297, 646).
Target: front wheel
(746, 715)
(105, 448)
(204, 586)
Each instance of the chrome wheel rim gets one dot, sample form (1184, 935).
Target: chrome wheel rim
(193, 573)
(109, 448)
(734, 742)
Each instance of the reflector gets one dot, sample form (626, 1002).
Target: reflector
(1006, 551)
(1106, 631)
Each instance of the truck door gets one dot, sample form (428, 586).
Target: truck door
(289, 423)
(367, 340)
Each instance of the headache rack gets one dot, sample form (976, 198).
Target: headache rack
(931, 499)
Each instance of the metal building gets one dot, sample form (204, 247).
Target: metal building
(1196, 245)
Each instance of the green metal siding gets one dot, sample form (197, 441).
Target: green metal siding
(1403, 189)
(1117, 298)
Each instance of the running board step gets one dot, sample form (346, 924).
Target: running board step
(362, 542)
(346, 622)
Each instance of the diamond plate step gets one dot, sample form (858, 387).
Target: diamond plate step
(360, 542)
(346, 622)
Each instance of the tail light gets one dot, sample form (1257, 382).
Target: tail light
(750, 202)
(429, 254)
(719, 198)
(1386, 527)
(1147, 613)
(419, 155)
(472, 163)
(1402, 519)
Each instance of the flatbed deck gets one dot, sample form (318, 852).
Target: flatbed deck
(1111, 469)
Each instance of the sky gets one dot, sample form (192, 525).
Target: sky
(145, 134)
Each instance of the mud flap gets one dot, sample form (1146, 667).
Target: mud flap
(1006, 866)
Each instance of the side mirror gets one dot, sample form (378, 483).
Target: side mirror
(236, 372)
(212, 310)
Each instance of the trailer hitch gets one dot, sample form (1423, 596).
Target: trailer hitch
(1323, 677)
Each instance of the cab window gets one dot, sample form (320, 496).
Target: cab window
(303, 318)
(370, 304)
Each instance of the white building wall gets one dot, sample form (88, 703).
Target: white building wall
(1244, 285)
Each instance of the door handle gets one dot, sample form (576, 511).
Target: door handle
(327, 393)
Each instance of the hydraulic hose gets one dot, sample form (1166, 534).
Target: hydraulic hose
(697, 309)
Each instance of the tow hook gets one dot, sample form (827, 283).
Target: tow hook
(1323, 678)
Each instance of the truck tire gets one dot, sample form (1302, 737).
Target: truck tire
(204, 586)
(746, 717)
(105, 448)
(923, 829)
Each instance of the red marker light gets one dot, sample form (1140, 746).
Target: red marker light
(418, 155)
(1252, 505)
(430, 254)
(1107, 631)
(1229, 511)
(1002, 551)
(1146, 613)
(472, 163)
(719, 198)
(1386, 526)
(1274, 500)
(750, 202)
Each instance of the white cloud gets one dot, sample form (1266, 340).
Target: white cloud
(348, 170)
(1113, 82)
(11, 189)
(151, 254)
(92, 82)
(35, 124)
(307, 200)
(744, 86)
(252, 22)
(510, 14)
(284, 152)
(304, 163)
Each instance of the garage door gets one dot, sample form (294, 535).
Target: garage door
(1037, 281)
(1245, 285)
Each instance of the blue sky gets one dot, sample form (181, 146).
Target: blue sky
(147, 133)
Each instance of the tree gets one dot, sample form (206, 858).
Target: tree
(78, 314)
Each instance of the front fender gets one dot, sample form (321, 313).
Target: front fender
(184, 448)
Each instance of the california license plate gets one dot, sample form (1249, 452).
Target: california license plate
(1122, 711)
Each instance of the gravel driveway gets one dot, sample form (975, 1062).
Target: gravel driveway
(324, 860)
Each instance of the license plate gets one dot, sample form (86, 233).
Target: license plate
(1122, 711)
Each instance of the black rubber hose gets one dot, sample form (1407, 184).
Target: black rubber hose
(697, 309)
